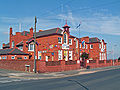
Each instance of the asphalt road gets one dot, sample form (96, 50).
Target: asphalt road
(105, 80)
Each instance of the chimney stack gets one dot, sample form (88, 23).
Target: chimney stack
(10, 31)
(31, 31)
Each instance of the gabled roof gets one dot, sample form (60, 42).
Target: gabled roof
(93, 40)
(20, 44)
(12, 51)
(49, 32)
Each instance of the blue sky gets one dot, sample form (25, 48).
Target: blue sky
(100, 18)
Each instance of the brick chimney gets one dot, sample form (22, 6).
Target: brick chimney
(3, 45)
(10, 31)
(31, 31)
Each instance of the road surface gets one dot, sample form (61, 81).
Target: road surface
(105, 80)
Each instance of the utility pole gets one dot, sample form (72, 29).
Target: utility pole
(35, 46)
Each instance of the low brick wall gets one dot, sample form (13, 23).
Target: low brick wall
(53, 66)
(42, 67)
(102, 63)
(18, 65)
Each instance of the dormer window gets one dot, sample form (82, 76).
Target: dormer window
(31, 47)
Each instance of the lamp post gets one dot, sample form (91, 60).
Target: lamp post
(35, 46)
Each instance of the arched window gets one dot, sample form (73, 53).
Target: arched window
(65, 38)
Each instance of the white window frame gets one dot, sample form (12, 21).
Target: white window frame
(100, 56)
(12, 57)
(46, 58)
(59, 54)
(70, 54)
(13, 44)
(80, 56)
(104, 47)
(29, 47)
(99, 45)
(91, 47)
(76, 43)
(86, 46)
(80, 45)
(0, 58)
(71, 42)
(60, 41)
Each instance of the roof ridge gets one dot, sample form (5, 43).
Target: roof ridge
(52, 29)
(93, 37)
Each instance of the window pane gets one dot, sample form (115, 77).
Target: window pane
(59, 39)
(31, 46)
(65, 38)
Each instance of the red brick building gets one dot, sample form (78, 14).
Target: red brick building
(57, 44)
(52, 45)
(95, 47)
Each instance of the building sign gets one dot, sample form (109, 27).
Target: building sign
(65, 46)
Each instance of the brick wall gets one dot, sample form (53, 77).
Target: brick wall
(18, 65)
(102, 63)
(52, 66)
(41, 66)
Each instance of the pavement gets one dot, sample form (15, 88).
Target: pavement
(25, 75)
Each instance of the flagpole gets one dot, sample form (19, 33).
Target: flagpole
(35, 46)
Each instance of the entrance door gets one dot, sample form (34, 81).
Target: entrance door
(66, 55)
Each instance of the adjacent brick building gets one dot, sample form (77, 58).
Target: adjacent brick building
(12, 53)
(95, 47)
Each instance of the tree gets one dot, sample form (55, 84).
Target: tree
(84, 56)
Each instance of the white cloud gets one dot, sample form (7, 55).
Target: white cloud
(98, 23)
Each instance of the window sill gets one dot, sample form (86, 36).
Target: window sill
(59, 43)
